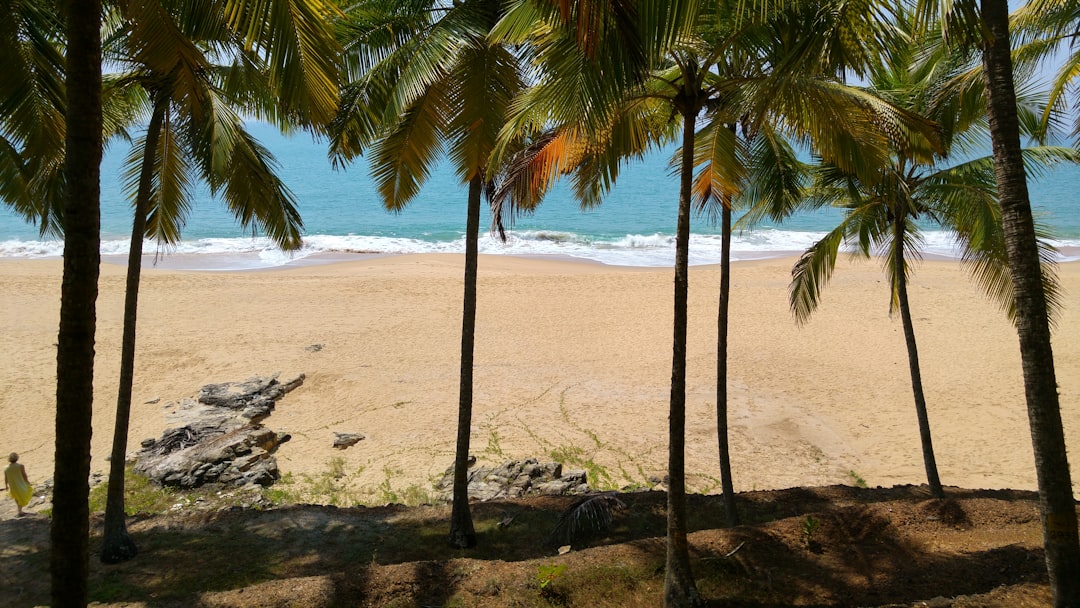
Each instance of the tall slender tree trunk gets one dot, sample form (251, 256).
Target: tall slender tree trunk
(913, 361)
(69, 561)
(726, 483)
(117, 546)
(462, 534)
(679, 587)
(1057, 505)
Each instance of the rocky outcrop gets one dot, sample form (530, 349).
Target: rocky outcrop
(219, 438)
(253, 398)
(517, 478)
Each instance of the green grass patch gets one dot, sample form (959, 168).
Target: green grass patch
(141, 496)
(574, 457)
(857, 479)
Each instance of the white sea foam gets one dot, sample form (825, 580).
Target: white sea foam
(630, 250)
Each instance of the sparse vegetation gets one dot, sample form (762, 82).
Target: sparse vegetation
(810, 526)
(396, 556)
(336, 467)
(857, 479)
(493, 448)
(575, 458)
(141, 496)
(546, 575)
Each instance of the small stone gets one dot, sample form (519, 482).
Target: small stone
(345, 440)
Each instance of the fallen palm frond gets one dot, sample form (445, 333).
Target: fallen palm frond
(592, 513)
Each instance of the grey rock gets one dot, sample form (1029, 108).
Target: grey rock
(555, 487)
(516, 478)
(345, 440)
(218, 438)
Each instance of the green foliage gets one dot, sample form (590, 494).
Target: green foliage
(282, 492)
(810, 525)
(573, 456)
(546, 576)
(857, 479)
(415, 495)
(141, 496)
(493, 446)
(386, 492)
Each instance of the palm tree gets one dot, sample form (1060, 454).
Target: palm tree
(193, 132)
(985, 25)
(885, 214)
(746, 160)
(690, 80)
(426, 80)
(1033, 327)
(69, 532)
(764, 177)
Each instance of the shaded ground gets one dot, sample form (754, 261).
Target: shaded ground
(830, 546)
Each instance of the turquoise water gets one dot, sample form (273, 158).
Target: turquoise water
(343, 215)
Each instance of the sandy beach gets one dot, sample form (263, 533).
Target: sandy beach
(573, 362)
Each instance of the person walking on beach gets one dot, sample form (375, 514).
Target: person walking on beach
(16, 481)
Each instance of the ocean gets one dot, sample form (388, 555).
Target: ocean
(344, 219)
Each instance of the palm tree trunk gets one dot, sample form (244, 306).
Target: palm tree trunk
(1056, 501)
(69, 561)
(679, 587)
(721, 366)
(900, 273)
(116, 545)
(462, 534)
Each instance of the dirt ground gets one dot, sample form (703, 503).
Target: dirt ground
(824, 546)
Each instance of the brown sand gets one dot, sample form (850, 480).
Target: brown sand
(573, 362)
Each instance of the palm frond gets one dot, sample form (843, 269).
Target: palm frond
(14, 183)
(358, 121)
(530, 173)
(401, 160)
(297, 40)
(32, 106)
(124, 103)
(373, 30)
(163, 51)
(487, 79)
(588, 515)
(777, 180)
(258, 198)
(719, 161)
(170, 187)
(636, 126)
(812, 272)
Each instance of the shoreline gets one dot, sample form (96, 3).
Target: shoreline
(573, 361)
(250, 261)
(639, 251)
